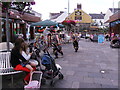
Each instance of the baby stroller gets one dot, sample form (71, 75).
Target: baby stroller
(51, 69)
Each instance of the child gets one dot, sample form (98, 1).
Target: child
(23, 50)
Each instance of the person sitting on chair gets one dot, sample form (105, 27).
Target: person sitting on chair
(17, 59)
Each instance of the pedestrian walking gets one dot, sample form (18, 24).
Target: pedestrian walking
(75, 44)
(57, 49)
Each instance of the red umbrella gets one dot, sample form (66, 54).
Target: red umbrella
(68, 22)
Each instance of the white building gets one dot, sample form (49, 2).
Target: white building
(98, 19)
(109, 13)
(58, 17)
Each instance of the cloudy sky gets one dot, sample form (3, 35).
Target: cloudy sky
(89, 6)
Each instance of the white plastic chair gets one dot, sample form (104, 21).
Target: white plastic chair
(3, 46)
(5, 66)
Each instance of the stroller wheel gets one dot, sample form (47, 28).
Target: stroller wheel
(60, 76)
(52, 83)
(43, 81)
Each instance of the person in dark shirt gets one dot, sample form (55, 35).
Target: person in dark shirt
(57, 49)
(17, 59)
(75, 45)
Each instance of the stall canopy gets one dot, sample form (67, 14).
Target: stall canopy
(61, 25)
(45, 23)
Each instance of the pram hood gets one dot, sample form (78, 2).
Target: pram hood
(46, 59)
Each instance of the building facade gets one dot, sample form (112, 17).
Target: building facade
(98, 19)
(82, 19)
(109, 13)
(114, 24)
(18, 24)
(58, 17)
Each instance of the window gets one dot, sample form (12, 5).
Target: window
(78, 13)
(78, 18)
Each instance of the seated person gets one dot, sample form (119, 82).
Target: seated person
(17, 59)
(114, 40)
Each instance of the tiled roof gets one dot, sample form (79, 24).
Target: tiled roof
(115, 9)
(114, 17)
(26, 16)
(55, 15)
(97, 16)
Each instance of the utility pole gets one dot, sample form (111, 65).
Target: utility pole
(68, 6)
(0, 23)
(113, 7)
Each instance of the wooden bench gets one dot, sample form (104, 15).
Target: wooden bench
(5, 66)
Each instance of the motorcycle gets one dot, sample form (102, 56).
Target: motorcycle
(75, 45)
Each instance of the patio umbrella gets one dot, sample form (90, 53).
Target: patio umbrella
(61, 26)
(45, 23)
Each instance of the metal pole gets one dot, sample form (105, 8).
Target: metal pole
(113, 7)
(7, 31)
(0, 31)
(68, 7)
(0, 25)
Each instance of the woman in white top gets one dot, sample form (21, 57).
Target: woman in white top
(27, 56)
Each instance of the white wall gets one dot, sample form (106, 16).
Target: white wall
(36, 13)
(98, 22)
(107, 15)
(61, 17)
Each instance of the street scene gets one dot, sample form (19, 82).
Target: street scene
(69, 47)
(84, 68)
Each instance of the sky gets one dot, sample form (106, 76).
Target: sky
(89, 6)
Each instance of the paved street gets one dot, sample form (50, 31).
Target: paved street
(93, 66)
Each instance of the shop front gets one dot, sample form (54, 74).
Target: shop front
(114, 24)
(18, 24)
